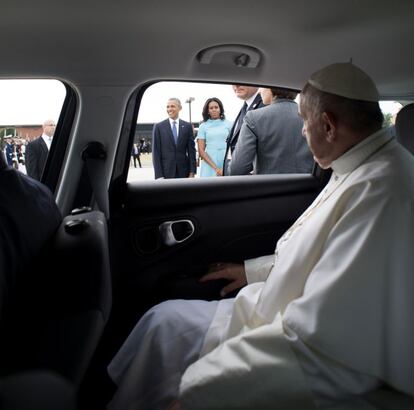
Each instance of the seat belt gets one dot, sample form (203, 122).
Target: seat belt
(3, 162)
(94, 156)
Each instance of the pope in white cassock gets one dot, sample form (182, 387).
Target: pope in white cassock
(328, 315)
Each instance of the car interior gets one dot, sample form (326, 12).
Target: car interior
(111, 259)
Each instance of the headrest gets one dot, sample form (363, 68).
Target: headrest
(346, 80)
(404, 127)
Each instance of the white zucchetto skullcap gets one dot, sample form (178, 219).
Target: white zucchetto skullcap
(345, 80)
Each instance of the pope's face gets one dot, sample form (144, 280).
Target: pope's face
(314, 132)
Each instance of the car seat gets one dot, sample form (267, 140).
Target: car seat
(54, 301)
(62, 304)
(36, 390)
(404, 127)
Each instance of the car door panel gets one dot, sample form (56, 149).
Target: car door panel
(234, 219)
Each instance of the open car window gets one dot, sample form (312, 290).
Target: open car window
(153, 110)
(29, 109)
(260, 148)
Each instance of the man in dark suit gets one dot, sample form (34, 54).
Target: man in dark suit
(252, 100)
(9, 152)
(173, 147)
(37, 150)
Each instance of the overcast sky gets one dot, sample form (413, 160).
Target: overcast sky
(153, 106)
(24, 102)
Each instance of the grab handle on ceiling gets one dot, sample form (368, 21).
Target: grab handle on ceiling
(242, 56)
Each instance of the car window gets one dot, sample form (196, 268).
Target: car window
(29, 109)
(153, 110)
(390, 110)
(257, 151)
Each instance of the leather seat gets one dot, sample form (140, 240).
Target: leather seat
(63, 303)
(55, 294)
(36, 390)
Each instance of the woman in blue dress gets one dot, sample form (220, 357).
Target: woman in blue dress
(211, 138)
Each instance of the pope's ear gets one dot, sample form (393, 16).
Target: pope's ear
(329, 125)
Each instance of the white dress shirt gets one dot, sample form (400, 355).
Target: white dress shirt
(47, 140)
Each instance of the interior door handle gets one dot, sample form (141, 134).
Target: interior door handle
(175, 232)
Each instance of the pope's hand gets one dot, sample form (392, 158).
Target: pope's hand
(233, 272)
(175, 405)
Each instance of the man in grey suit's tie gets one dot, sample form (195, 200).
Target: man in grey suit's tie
(271, 140)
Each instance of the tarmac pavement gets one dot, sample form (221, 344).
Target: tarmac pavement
(144, 173)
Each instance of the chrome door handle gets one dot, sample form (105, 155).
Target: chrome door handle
(175, 232)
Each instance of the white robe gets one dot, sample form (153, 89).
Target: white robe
(338, 291)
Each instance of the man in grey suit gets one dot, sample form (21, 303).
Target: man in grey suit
(38, 150)
(271, 140)
(173, 147)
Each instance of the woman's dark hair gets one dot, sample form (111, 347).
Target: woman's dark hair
(205, 108)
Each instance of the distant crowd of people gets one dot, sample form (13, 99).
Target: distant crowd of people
(15, 152)
(265, 138)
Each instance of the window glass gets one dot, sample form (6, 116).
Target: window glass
(260, 155)
(153, 110)
(390, 110)
(29, 110)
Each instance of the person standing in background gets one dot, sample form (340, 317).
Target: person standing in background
(38, 150)
(211, 138)
(173, 147)
(252, 100)
(136, 155)
(271, 140)
(8, 151)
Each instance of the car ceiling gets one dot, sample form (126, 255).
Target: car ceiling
(130, 42)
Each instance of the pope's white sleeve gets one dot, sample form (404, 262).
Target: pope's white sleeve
(258, 269)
